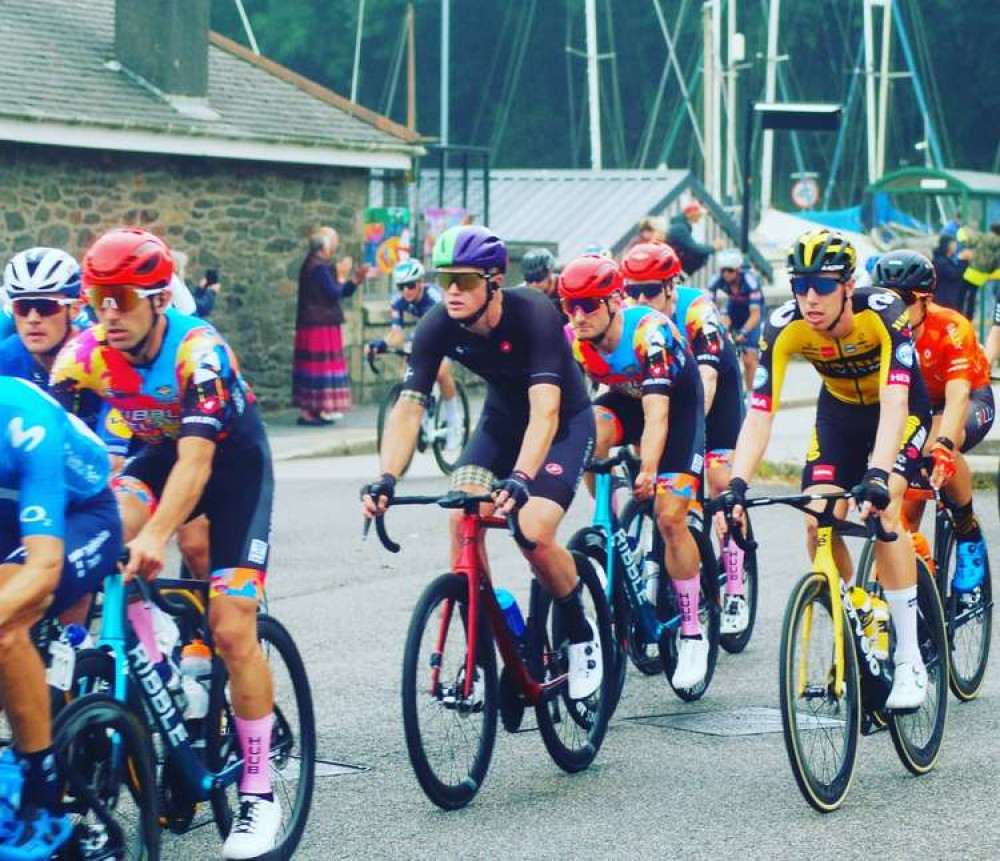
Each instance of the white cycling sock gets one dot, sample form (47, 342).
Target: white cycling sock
(903, 610)
(451, 409)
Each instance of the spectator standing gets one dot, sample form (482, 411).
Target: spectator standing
(951, 285)
(652, 228)
(693, 254)
(206, 293)
(321, 386)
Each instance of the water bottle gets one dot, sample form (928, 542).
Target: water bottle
(879, 635)
(196, 670)
(511, 612)
(651, 576)
(77, 636)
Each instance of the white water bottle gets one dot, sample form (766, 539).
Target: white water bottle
(165, 630)
(196, 670)
(651, 576)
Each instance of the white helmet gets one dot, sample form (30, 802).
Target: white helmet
(730, 258)
(39, 271)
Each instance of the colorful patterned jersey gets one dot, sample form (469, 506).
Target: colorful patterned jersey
(648, 359)
(699, 322)
(400, 307)
(49, 461)
(948, 350)
(877, 352)
(192, 388)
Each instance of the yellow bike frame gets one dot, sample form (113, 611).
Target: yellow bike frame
(824, 563)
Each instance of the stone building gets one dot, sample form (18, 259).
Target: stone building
(138, 114)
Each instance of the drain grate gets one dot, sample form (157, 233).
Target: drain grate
(753, 720)
(324, 768)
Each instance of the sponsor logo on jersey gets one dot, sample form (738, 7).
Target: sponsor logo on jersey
(760, 402)
(554, 469)
(506, 347)
(881, 300)
(760, 377)
(904, 353)
(824, 472)
(850, 348)
(900, 378)
(24, 438)
(813, 452)
(164, 391)
(827, 352)
(258, 552)
(115, 425)
(782, 315)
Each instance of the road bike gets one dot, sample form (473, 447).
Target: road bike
(194, 760)
(833, 682)
(969, 615)
(451, 693)
(434, 425)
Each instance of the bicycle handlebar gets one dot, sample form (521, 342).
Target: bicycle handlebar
(372, 356)
(605, 465)
(149, 591)
(452, 500)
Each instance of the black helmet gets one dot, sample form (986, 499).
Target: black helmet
(905, 272)
(822, 250)
(538, 264)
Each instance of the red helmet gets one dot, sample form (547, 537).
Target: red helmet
(651, 261)
(128, 255)
(590, 275)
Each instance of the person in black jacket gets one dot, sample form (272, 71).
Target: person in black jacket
(951, 286)
(693, 254)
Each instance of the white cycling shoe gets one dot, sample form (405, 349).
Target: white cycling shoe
(453, 435)
(586, 669)
(692, 663)
(909, 686)
(255, 828)
(735, 615)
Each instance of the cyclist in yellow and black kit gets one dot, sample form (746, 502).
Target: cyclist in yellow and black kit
(872, 418)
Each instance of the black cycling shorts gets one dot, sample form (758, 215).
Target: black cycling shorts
(979, 419)
(495, 443)
(683, 455)
(723, 422)
(92, 545)
(237, 501)
(844, 436)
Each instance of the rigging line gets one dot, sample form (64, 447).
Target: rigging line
(570, 94)
(494, 64)
(509, 84)
(515, 76)
(391, 82)
(247, 28)
(668, 145)
(616, 101)
(931, 79)
(781, 74)
(838, 149)
(668, 39)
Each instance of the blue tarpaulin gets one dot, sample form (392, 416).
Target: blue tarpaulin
(876, 210)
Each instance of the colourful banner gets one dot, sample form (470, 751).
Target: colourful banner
(387, 236)
(437, 219)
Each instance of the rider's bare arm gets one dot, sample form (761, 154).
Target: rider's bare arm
(184, 487)
(709, 382)
(956, 410)
(401, 432)
(752, 443)
(543, 421)
(26, 592)
(893, 411)
(752, 320)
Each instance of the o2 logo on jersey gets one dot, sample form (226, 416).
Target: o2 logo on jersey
(24, 438)
(34, 514)
(782, 315)
(880, 301)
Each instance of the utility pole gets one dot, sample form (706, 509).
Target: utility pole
(593, 84)
(870, 130)
(734, 55)
(883, 94)
(445, 55)
(411, 72)
(357, 51)
(770, 86)
(709, 90)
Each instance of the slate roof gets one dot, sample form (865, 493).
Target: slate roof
(54, 67)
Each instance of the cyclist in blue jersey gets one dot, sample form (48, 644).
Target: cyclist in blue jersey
(60, 535)
(414, 298)
(178, 387)
(43, 288)
(744, 307)
(651, 270)
(6, 317)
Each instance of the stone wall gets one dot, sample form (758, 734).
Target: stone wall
(247, 219)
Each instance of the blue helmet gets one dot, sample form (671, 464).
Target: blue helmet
(407, 272)
(42, 271)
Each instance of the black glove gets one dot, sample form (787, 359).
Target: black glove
(873, 488)
(734, 494)
(385, 486)
(516, 485)
(377, 347)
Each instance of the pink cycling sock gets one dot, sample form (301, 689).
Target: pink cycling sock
(687, 600)
(140, 615)
(255, 744)
(733, 557)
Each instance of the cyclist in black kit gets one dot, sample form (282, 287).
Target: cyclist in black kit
(536, 432)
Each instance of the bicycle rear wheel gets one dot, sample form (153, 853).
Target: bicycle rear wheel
(293, 737)
(447, 458)
(572, 730)
(969, 618)
(449, 736)
(106, 758)
(820, 728)
(736, 643)
(384, 408)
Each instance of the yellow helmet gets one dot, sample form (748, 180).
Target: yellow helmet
(822, 250)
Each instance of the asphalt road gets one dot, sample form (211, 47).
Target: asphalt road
(654, 791)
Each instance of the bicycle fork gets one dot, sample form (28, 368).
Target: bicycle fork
(823, 559)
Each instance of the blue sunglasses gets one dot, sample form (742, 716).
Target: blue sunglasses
(801, 284)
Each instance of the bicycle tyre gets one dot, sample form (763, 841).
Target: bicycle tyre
(444, 463)
(584, 722)
(458, 792)
(736, 643)
(968, 637)
(592, 543)
(384, 408)
(823, 793)
(222, 746)
(86, 721)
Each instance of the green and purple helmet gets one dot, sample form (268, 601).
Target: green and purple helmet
(472, 248)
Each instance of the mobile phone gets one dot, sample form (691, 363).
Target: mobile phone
(211, 276)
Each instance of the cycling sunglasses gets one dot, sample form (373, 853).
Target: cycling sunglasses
(411, 286)
(649, 289)
(46, 307)
(465, 281)
(588, 304)
(801, 284)
(118, 297)
(911, 298)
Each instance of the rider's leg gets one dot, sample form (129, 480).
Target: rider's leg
(609, 433)
(192, 540)
(749, 368)
(446, 383)
(681, 557)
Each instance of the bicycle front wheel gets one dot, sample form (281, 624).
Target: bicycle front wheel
(293, 737)
(572, 730)
(820, 726)
(447, 457)
(449, 736)
(106, 758)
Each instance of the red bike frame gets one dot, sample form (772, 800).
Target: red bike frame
(481, 589)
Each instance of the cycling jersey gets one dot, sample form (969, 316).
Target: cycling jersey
(17, 361)
(742, 298)
(193, 387)
(878, 351)
(7, 326)
(649, 358)
(400, 307)
(525, 348)
(948, 350)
